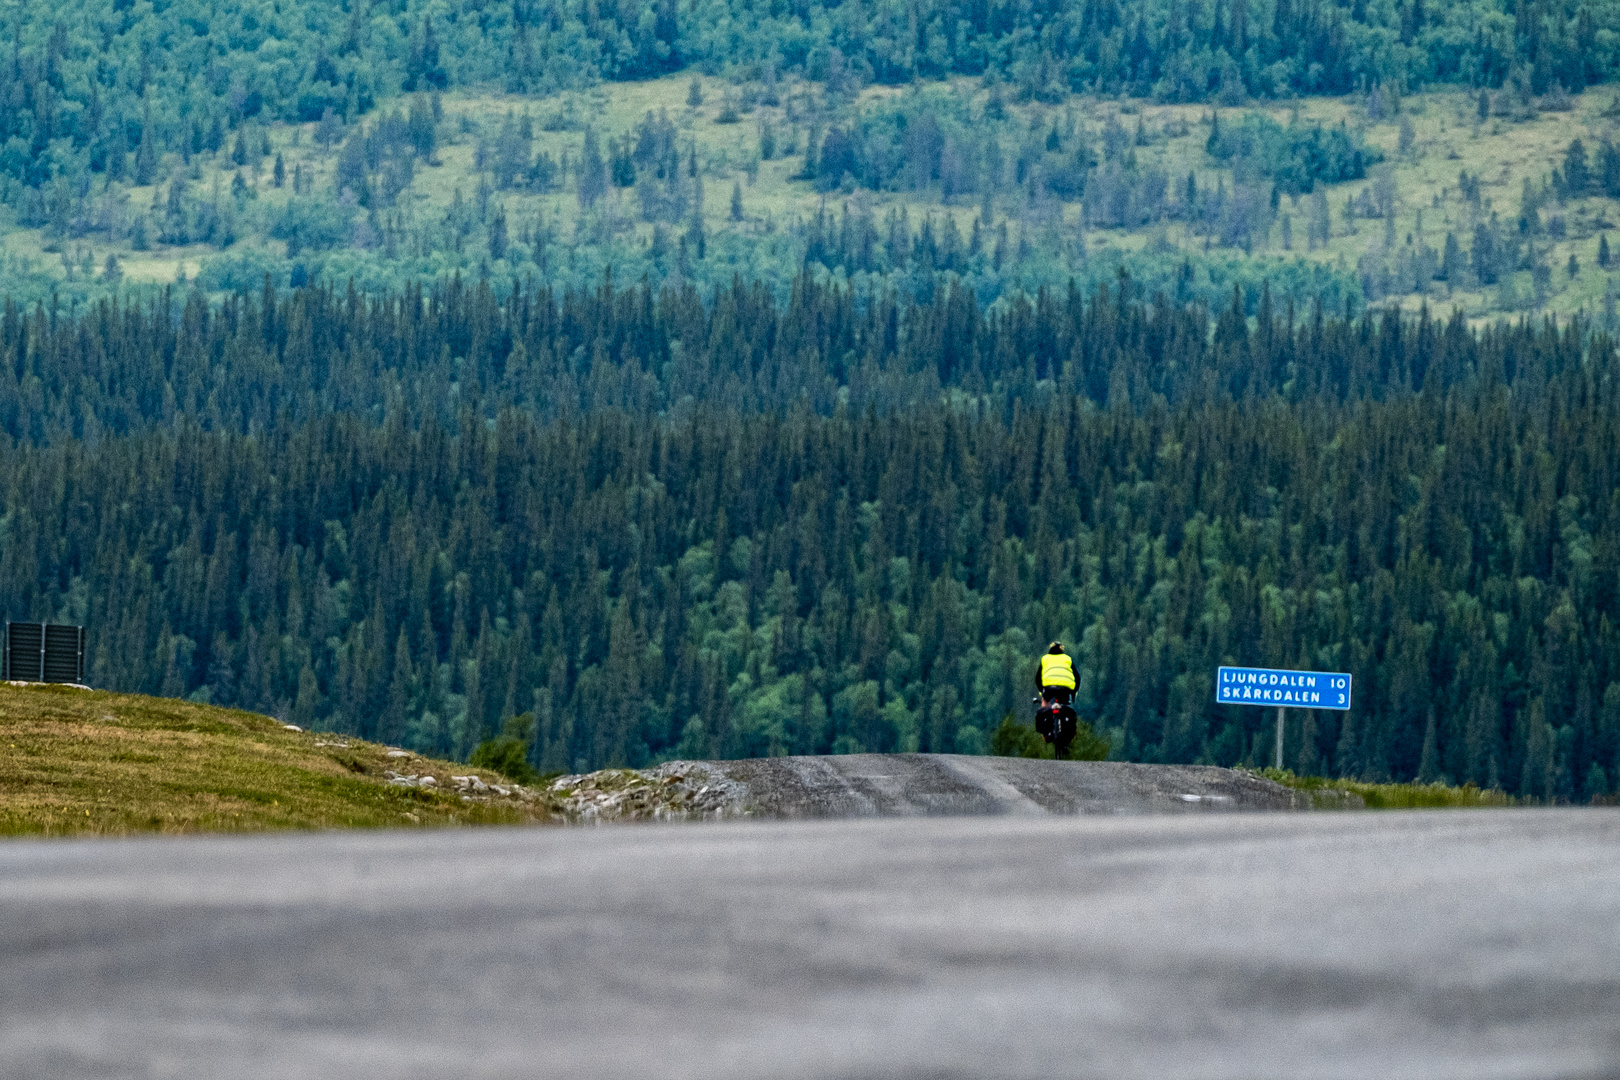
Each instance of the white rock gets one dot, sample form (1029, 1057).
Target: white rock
(499, 790)
(398, 754)
(292, 727)
(427, 781)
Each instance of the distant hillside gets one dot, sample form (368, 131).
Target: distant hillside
(1010, 146)
(107, 75)
(76, 762)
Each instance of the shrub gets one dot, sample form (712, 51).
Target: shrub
(508, 752)
(506, 756)
(1293, 157)
(1088, 745)
(1017, 739)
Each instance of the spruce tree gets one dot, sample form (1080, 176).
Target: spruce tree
(497, 234)
(145, 159)
(592, 179)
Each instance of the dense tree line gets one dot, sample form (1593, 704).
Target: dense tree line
(667, 526)
(255, 361)
(931, 142)
(109, 86)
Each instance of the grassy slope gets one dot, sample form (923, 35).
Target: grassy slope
(88, 762)
(1449, 139)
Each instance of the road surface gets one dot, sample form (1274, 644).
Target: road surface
(921, 785)
(1442, 944)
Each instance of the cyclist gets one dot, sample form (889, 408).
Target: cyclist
(1056, 675)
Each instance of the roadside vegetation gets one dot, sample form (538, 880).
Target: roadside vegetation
(78, 762)
(1330, 793)
(1018, 738)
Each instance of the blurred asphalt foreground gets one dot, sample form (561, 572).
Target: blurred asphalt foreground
(1431, 944)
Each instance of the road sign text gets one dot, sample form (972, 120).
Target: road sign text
(1295, 689)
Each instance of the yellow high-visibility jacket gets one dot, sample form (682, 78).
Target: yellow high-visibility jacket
(1057, 670)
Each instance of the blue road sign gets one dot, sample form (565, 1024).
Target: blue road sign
(1290, 689)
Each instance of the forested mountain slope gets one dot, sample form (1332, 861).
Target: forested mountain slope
(114, 74)
(677, 529)
(1001, 146)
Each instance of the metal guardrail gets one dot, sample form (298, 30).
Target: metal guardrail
(43, 652)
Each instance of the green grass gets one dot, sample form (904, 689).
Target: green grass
(75, 762)
(1341, 794)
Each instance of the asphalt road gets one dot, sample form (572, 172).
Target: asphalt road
(924, 785)
(1441, 944)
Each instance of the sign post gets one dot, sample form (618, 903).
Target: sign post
(1282, 716)
(1273, 686)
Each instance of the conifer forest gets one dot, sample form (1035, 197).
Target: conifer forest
(721, 378)
(663, 524)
